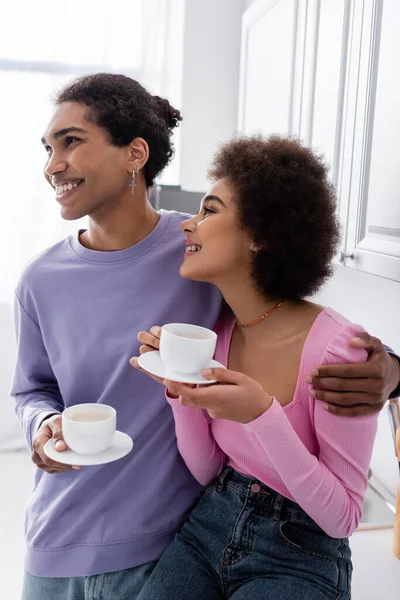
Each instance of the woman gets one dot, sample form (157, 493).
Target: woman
(286, 479)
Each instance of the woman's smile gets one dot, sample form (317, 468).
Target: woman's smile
(191, 247)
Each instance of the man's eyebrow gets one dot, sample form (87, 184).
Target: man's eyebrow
(212, 197)
(62, 132)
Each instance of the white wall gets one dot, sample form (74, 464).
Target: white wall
(210, 84)
(374, 303)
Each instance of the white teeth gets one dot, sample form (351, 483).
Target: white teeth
(65, 187)
(192, 248)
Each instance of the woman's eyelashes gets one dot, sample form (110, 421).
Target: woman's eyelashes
(207, 211)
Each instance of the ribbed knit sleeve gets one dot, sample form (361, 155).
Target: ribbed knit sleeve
(196, 443)
(330, 487)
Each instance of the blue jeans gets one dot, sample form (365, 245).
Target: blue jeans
(119, 585)
(244, 540)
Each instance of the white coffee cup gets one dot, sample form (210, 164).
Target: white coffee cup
(186, 348)
(89, 428)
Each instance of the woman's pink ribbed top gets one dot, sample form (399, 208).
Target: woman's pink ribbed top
(302, 451)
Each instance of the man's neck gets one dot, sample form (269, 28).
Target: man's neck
(121, 229)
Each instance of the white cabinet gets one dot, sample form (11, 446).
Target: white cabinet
(265, 102)
(371, 154)
(328, 72)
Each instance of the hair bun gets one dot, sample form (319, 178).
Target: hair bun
(168, 113)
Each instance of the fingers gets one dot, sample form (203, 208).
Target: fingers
(195, 394)
(224, 376)
(156, 331)
(180, 389)
(150, 340)
(338, 384)
(348, 371)
(202, 396)
(221, 375)
(42, 461)
(50, 466)
(55, 427)
(50, 429)
(354, 411)
(134, 363)
(346, 399)
(370, 343)
(145, 348)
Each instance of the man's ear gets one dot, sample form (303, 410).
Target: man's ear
(138, 154)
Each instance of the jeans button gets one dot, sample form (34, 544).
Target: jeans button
(255, 487)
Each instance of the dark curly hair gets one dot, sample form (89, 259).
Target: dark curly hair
(287, 204)
(126, 110)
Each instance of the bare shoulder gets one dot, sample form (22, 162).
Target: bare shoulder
(312, 307)
(307, 311)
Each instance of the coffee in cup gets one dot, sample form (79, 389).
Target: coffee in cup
(186, 348)
(89, 428)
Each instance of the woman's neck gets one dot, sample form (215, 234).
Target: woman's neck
(248, 305)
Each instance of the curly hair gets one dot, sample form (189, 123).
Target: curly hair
(287, 204)
(126, 110)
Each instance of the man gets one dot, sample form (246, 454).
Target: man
(97, 531)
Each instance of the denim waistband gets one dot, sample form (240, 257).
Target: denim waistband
(259, 493)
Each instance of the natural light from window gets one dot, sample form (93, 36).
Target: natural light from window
(42, 45)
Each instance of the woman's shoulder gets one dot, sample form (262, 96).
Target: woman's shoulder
(330, 338)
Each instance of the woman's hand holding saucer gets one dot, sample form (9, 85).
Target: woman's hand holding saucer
(177, 351)
(150, 341)
(237, 397)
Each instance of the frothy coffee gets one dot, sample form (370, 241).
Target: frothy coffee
(88, 417)
(190, 336)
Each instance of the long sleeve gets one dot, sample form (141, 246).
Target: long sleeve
(396, 391)
(330, 487)
(34, 386)
(197, 446)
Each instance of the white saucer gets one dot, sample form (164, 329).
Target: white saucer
(152, 363)
(120, 447)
